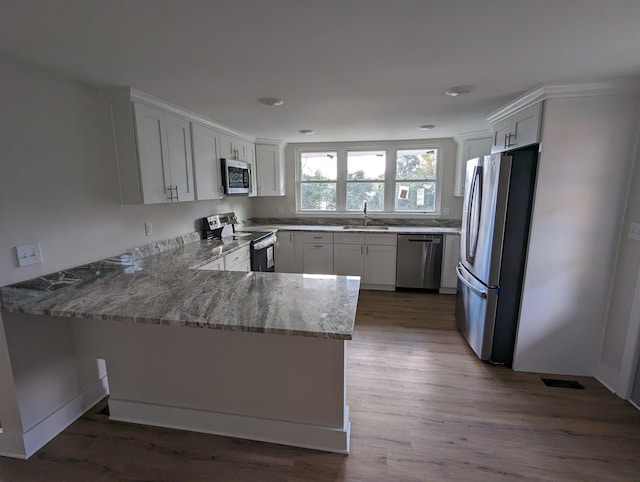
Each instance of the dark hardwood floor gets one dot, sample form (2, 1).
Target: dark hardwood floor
(423, 408)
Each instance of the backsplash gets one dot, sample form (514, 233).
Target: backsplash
(161, 246)
(432, 223)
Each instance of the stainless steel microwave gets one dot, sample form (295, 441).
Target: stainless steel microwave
(236, 176)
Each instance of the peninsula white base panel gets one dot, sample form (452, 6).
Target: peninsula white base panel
(274, 431)
(277, 388)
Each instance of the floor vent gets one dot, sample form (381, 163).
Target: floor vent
(554, 382)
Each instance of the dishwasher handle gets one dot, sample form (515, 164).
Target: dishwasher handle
(483, 294)
(426, 240)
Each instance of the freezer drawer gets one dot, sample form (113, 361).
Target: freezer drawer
(419, 261)
(476, 312)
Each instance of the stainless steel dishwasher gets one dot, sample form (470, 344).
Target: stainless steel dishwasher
(419, 261)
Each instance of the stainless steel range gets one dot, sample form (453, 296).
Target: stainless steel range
(223, 227)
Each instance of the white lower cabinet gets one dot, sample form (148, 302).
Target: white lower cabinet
(238, 260)
(449, 278)
(348, 259)
(289, 252)
(318, 253)
(370, 256)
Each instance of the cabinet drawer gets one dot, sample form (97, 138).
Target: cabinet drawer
(381, 239)
(348, 238)
(234, 257)
(318, 237)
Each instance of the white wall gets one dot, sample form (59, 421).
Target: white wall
(587, 156)
(58, 178)
(270, 206)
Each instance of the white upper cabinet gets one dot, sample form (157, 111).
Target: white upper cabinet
(518, 130)
(153, 154)
(206, 162)
(250, 158)
(180, 158)
(232, 147)
(469, 149)
(269, 170)
(153, 149)
(166, 154)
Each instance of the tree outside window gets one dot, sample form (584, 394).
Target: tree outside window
(416, 180)
(318, 178)
(365, 180)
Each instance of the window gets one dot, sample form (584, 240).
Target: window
(318, 178)
(390, 177)
(365, 180)
(416, 177)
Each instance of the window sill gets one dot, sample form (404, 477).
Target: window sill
(376, 215)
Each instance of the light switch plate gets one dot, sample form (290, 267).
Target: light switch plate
(148, 229)
(29, 254)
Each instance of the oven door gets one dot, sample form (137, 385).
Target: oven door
(263, 254)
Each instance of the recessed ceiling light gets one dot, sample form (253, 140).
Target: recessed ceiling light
(271, 101)
(306, 132)
(459, 90)
(426, 127)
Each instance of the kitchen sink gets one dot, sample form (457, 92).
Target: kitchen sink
(361, 226)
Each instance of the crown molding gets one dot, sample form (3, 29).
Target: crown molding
(626, 86)
(465, 136)
(139, 96)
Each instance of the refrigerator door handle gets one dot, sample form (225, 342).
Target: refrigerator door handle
(474, 208)
(483, 294)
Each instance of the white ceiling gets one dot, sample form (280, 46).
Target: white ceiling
(348, 69)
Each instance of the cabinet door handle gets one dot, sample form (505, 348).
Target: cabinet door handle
(367, 250)
(361, 250)
(317, 246)
(507, 139)
(170, 189)
(291, 237)
(177, 196)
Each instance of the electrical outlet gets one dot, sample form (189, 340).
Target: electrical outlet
(280, 210)
(29, 254)
(446, 211)
(634, 231)
(292, 209)
(148, 229)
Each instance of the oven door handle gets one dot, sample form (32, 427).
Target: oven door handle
(265, 243)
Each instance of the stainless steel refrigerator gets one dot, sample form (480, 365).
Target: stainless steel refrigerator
(496, 216)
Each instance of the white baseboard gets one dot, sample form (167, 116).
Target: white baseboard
(12, 445)
(377, 287)
(447, 291)
(329, 439)
(44, 431)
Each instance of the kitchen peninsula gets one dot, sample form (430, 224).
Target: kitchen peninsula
(251, 355)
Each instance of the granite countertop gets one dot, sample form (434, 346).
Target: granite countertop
(353, 228)
(159, 284)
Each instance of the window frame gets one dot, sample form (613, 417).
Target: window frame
(422, 180)
(391, 148)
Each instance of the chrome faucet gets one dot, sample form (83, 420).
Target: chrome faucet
(366, 220)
